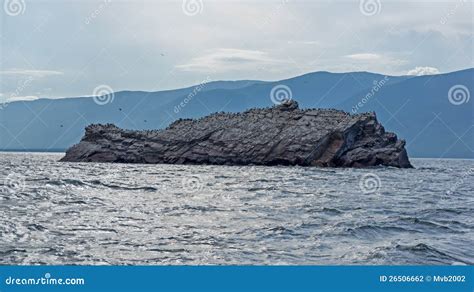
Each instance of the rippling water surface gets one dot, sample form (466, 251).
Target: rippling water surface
(77, 213)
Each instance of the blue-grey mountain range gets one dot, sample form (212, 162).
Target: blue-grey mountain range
(417, 108)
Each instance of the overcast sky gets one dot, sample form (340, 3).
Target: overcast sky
(68, 48)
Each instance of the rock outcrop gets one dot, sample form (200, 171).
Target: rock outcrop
(281, 135)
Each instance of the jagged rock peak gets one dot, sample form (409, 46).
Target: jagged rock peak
(289, 104)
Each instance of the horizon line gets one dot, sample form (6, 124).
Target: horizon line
(237, 80)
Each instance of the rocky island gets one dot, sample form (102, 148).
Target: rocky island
(280, 135)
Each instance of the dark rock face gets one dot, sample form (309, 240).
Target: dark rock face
(281, 135)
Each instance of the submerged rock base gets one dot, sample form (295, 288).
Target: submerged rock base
(281, 135)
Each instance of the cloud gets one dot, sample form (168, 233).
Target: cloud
(372, 62)
(304, 42)
(364, 57)
(122, 47)
(420, 71)
(36, 73)
(18, 98)
(227, 59)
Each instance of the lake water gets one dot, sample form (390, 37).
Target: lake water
(77, 213)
